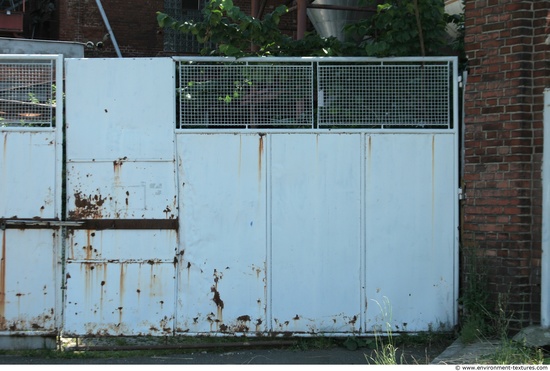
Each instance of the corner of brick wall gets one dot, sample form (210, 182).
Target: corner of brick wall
(508, 71)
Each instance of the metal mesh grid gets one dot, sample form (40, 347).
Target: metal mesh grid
(369, 95)
(245, 95)
(27, 93)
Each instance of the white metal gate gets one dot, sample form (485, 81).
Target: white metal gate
(30, 185)
(255, 196)
(318, 196)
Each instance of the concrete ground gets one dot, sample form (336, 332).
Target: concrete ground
(456, 353)
(459, 353)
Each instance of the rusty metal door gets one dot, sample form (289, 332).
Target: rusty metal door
(30, 189)
(121, 186)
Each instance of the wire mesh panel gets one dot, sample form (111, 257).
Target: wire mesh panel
(244, 95)
(27, 93)
(385, 95)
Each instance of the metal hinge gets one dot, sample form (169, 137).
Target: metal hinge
(461, 194)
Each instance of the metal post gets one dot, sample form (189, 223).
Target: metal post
(302, 19)
(255, 8)
(545, 244)
(106, 21)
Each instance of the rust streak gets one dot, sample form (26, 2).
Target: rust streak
(88, 247)
(260, 155)
(117, 166)
(5, 144)
(121, 286)
(3, 284)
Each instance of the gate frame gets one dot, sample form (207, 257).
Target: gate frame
(44, 339)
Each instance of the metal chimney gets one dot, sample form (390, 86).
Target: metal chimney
(329, 22)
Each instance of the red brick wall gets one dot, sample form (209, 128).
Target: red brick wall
(508, 70)
(133, 23)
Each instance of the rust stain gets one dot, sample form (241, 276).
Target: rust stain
(245, 318)
(87, 207)
(3, 284)
(258, 325)
(117, 166)
(369, 153)
(217, 298)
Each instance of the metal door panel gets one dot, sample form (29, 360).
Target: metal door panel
(119, 298)
(120, 108)
(316, 239)
(410, 192)
(122, 245)
(28, 174)
(222, 275)
(28, 273)
(121, 190)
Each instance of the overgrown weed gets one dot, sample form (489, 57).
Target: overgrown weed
(479, 323)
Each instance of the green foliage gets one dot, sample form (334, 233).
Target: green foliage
(233, 31)
(385, 352)
(403, 28)
(393, 31)
(474, 299)
(513, 353)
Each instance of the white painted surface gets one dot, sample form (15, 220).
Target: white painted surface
(545, 260)
(410, 229)
(222, 270)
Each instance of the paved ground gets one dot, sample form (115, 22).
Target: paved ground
(461, 354)
(456, 353)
